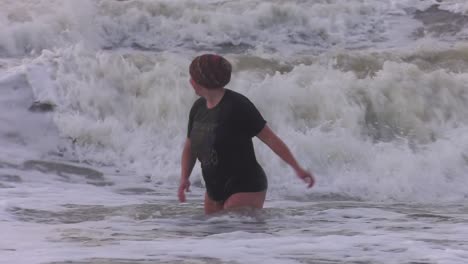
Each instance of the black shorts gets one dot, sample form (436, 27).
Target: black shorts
(220, 190)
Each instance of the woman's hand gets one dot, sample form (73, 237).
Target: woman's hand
(306, 176)
(187, 163)
(277, 145)
(183, 187)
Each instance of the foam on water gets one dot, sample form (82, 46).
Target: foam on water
(20, 127)
(311, 233)
(369, 137)
(287, 27)
(455, 6)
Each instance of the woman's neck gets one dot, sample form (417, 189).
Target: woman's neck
(213, 97)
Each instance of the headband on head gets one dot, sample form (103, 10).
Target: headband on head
(211, 71)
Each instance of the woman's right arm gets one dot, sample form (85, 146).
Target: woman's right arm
(279, 147)
(187, 164)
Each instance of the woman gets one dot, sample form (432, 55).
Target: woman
(220, 130)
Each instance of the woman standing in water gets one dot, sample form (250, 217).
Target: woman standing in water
(221, 126)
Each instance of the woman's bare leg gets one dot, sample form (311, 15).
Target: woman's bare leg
(245, 199)
(212, 206)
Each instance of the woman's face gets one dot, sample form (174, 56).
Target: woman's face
(196, 87)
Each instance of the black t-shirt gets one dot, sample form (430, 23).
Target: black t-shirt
(221, 139)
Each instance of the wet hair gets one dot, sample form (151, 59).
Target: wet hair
(211, 71)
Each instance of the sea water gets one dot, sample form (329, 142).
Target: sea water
(371, 96)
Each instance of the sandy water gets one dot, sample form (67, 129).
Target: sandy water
(121, 222)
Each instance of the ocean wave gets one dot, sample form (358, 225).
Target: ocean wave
(28, 27)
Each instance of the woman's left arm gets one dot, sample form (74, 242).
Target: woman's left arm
(279, 147)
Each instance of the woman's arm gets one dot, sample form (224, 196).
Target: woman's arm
(187, 164)
(279, 147)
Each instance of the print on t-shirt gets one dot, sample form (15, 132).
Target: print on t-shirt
(203, 138)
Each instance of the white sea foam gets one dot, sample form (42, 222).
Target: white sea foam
(368, 137)
(21, 128)
(275, 26)
(351, 235)
(455, 6)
